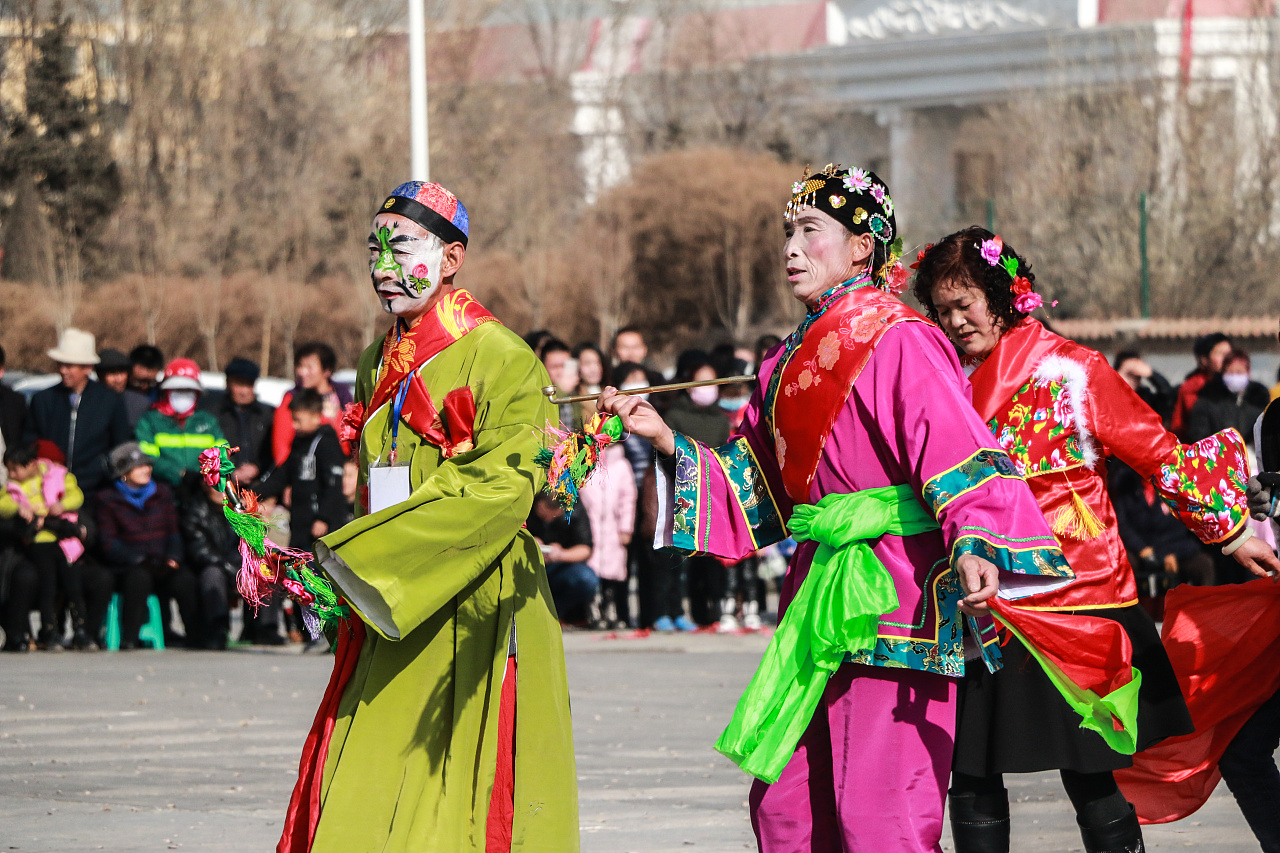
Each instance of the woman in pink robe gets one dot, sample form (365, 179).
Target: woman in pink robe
(864, 394)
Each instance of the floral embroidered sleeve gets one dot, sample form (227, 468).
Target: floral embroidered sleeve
(1202, 483)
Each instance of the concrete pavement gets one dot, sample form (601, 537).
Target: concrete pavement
(180, 750)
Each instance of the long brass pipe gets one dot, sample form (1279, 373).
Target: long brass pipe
(550, 390)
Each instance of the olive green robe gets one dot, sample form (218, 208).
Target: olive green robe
(438, 579)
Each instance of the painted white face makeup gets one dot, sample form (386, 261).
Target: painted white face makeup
(404, 264)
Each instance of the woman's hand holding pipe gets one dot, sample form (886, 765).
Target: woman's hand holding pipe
(639, 418)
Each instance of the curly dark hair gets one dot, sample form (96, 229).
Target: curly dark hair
(958, 258)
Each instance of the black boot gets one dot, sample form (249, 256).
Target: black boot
(1122, 835)
(980, 822)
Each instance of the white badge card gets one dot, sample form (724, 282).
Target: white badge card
(388, 486)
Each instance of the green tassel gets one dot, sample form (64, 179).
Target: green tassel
(250, 528)
(543, 457)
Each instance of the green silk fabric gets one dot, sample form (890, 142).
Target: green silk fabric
(835, 611)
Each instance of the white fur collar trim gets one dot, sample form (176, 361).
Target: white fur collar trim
(1075, 382)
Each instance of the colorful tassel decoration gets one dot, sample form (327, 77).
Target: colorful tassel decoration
(571, 456)
(264, 566)
(1077, 520)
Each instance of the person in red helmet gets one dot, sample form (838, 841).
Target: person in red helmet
(173, 432)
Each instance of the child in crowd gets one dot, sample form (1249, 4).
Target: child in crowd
(609, 499)
(313, 471)
(139, 539)
(45, 496)
(313, 474)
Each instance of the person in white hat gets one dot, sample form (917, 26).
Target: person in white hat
(173, 431)
(83, 418)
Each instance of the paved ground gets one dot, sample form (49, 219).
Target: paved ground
(176, 750)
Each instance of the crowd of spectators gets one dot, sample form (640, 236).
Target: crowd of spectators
(1220, 393)
(597, 558)
(103, 507)
(102, 502)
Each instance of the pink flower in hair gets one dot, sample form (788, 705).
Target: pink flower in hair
(1027, 302)
(991, 250)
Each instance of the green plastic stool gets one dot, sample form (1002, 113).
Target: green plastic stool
(151, 633)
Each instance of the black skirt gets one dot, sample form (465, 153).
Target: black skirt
(1016, 721)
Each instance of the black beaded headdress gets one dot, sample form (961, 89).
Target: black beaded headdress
(858, 200)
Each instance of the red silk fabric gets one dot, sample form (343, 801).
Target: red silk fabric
(502, 802)
(454, 315)
(1094, 653)
(1224, 643)
(1010, 365)
(818, 376)
(303, 815)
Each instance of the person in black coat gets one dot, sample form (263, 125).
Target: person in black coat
(13, 411)
(213, 553)
(1230, 399)
(1158, 544)
(245, 421)
(85, 419)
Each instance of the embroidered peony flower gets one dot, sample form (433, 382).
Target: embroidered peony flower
(1021, 285)
(897, 279)
(805, 378)
(1027, 302)
(888, 205)
(857, 180)
(781, 444)
(829, 350)
(878, 193)
(991, 250)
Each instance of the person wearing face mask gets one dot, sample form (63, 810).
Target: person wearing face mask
(860, 441)
(173, 431)
(1059, 411)
(1230, 400)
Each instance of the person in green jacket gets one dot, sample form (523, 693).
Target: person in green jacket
(446, 722)
(173, 431)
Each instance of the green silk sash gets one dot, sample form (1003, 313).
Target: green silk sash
(836, 611)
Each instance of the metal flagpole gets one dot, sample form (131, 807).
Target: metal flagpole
(420, 163)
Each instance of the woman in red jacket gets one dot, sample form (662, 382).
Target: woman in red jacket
(1060, 411)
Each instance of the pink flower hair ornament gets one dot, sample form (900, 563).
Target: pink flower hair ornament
(991, 250)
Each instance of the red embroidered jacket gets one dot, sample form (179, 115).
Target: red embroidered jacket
(1059, 410)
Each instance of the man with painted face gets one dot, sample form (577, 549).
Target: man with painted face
(861, 443)
(448, 590)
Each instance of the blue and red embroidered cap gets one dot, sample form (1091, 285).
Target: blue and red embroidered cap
(433, 207)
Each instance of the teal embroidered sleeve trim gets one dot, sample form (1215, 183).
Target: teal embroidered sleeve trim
(1043, 561)
(688, 532)
(752, 492)
(982, 466)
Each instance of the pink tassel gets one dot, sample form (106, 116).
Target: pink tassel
(250, 583)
